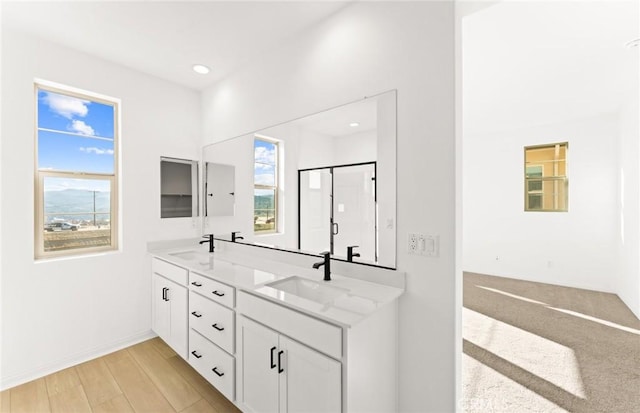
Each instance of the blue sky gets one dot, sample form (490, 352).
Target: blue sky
(265, 159)
(80, 135)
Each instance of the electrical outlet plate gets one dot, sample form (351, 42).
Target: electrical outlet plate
(413, 244)
(424, 244)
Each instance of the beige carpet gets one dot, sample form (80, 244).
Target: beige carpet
(532, 347)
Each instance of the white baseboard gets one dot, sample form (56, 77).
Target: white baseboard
(70, 361)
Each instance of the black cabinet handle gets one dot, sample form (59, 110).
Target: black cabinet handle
(195, 313)
(164, 293)
(216, 292)
(273, 365)
(196, 354)
(280, 369)
(217, 372)
(197, 284)
(216, 327)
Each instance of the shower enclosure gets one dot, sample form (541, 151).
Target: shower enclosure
(337, 209)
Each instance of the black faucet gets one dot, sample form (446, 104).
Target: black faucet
(350, 253)
(208, 238)
(327, 265)
(234, 237)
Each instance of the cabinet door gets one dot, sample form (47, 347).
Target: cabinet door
(311, 381)
(258, 365)
(161, 309)
(178, 317)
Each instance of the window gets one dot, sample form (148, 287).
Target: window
(265, 193)
(76, 173)
(546, 184)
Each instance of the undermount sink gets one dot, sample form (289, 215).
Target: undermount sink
(187, 255)
(202, 260)
(308, 289)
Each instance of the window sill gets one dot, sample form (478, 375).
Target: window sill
(69, 257)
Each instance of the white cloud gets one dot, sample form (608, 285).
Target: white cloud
(263, 167)
(66, 106)
(264, 155)
(81, 127)
(60, 184)
(97, 151)
(264, 179)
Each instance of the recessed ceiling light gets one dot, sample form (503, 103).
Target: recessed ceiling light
(354, 124)
(202, 69)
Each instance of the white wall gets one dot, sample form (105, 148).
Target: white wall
(365, 49)
(628, 229)
(576, 248)
(60, 312)
(359, 147)
(1, 203)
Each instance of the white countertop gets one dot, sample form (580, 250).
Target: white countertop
(358, 300)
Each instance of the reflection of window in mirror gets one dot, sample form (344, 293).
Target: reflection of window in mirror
(546, 183)
(265, 195)
(178, 188)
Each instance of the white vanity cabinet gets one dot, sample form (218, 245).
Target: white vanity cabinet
(268, 351)
(279, 375)
(169, 304)
(212, 323)
(289, 361)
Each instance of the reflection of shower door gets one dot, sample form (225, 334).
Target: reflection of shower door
(338, 209)
(314, 210)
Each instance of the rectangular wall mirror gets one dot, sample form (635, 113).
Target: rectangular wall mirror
(178, 188)
(323, 182)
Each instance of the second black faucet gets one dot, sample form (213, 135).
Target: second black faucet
(235, 237)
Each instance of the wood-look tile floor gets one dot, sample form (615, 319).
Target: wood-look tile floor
(147, 377)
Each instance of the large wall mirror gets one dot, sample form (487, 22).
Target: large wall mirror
(324, 182)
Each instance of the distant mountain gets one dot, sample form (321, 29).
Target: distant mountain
(58, 204)
(263, 202)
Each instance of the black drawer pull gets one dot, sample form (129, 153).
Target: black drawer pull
(280, 369)
(216, 292)
(164, 293)
(196, 354)
(216, 327)
(217, 372)
(195, 313)
(273, 365)
(197, 284)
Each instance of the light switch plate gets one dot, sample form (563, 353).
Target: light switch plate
(429, 245)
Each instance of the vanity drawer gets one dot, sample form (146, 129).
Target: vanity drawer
(214, 290)
(315, 333)
(215, 322)
(176, 274)
(204, 356)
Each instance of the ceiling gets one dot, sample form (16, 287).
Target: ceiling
(165, 39)
(336, 122)
(534, 63)
(524, 62)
